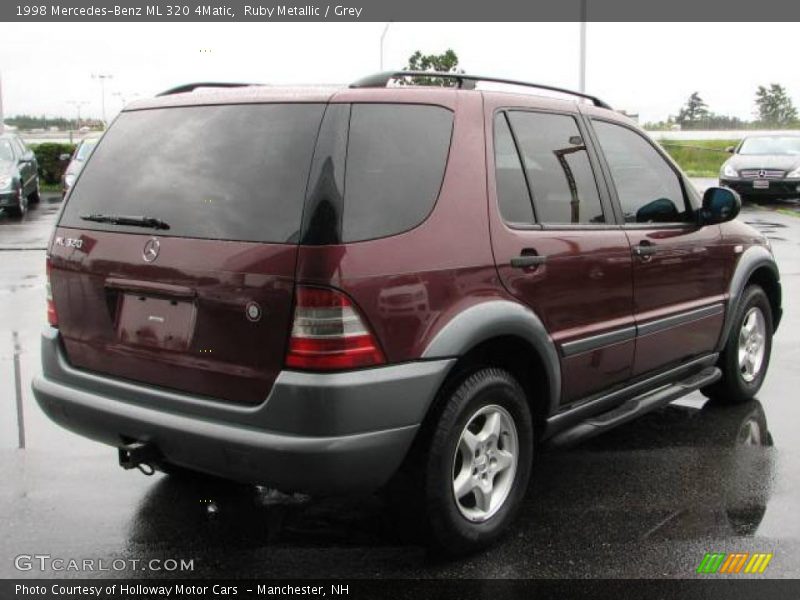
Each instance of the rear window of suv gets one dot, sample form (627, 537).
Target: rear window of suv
(235, 172)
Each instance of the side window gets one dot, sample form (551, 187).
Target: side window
(396, 157)
(559, 172)
(512, 191)
(648, 188)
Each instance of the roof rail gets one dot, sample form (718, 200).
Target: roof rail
(465, 81)
(189, 87)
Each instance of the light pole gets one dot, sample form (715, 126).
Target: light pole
(383, 36)
(582, 67)
(102, 78)
(77, 104)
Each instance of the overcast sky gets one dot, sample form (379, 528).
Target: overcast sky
(646, 68)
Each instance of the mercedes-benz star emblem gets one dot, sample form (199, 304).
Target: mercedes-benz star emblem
(762, 173)
(253, 312)
(151, 249)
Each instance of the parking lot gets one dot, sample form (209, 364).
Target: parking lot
(646, 500)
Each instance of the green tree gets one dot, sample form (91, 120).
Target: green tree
(443, 63)
(28, 122)
(694, 112)
(774, 107)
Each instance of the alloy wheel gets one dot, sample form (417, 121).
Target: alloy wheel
(485, 463)
(752, 344)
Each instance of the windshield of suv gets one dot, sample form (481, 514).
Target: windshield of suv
(235, 172)
(6, 154)
(771, 145)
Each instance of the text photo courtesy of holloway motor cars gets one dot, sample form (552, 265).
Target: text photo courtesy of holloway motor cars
(379, 300)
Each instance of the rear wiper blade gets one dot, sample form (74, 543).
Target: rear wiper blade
(133, 221)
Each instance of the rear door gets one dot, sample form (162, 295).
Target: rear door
(679, 268)
(203, 303)
(557, 247)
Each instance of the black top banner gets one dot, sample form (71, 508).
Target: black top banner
(405, 10)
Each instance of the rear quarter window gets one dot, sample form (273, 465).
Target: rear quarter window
(396, 158)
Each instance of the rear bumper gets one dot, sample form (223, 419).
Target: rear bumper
(315, 432)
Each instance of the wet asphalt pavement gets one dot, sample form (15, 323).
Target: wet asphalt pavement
(646, 500)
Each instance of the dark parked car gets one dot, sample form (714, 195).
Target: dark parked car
(225, 303)
(19, 175)
(76, 161)
(764, 166)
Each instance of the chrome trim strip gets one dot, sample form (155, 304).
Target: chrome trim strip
(679, 319)
(615, 336)
(598, 341)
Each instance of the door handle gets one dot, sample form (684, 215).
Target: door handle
(645, 250)
(527, 260)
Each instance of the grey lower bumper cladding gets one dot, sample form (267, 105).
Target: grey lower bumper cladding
(315, 432)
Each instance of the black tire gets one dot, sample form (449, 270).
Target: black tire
(35, 197)
(484, 390)
(735, 386)
(19, 210)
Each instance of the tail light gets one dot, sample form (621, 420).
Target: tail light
(52, 316)
(328, 334)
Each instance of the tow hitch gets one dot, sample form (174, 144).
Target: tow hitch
(138, 455)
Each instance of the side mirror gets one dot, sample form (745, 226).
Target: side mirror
(662, 210)
(64, 157)
(720, 205)
(730, 149)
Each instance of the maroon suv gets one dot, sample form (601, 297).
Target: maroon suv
(335, 290)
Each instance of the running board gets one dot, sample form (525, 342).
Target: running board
(634, 408)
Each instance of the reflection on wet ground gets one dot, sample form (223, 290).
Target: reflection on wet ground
(669, 485)
(678, 474)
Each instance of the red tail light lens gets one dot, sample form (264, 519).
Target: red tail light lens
(52, 316)
(328, 334)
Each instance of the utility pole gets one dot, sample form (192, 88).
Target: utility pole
(102, 78)
(582, 66)
(383, 36)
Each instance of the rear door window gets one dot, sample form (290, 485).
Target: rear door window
(559, 170)
(396, 157)
(235, 172)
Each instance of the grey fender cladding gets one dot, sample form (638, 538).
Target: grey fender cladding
(751, 260)
(496, 318)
